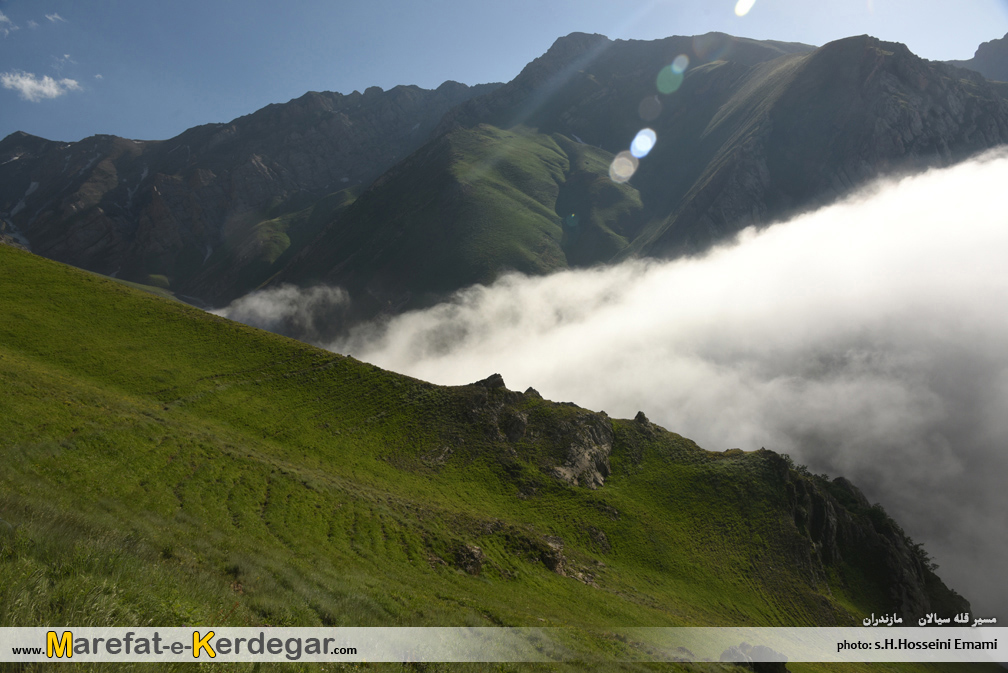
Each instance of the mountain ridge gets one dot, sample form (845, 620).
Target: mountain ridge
(737, 145)
(748, 133)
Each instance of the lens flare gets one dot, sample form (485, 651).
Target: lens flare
(669, 80)
(680, 63)
(623, 167)
(649, 108)
(742, 7)
(642, 143)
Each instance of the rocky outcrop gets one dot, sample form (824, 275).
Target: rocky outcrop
(589, 441)
(583, 441)
(469, 558)
(845, 530)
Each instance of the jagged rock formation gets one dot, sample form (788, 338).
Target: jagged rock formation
(589, 441)
(586, 438)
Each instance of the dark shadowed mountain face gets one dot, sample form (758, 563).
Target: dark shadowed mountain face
(990, 60)
(209, 211)
(519, 178)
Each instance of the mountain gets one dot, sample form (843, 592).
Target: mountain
(519, 178)
(990, 60)
(164, 466)
(207, 213)
(403, 197)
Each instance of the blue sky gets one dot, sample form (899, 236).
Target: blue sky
(140, 69)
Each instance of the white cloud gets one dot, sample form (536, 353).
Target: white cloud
(99, 76)
(288, 309)
(54, 17)
(6, 25)
(32, 23)
(34, 88)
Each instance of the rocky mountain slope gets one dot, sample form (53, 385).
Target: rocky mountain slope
(402, 197)
(519, 178)
(199, 212)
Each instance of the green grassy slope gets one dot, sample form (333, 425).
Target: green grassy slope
(162, 466)
(467, 206)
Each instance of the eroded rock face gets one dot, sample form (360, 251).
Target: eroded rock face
(469, 558)
(590, 443)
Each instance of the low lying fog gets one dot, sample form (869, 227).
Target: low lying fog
(867, 339)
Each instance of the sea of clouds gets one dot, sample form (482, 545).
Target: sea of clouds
(867, 339)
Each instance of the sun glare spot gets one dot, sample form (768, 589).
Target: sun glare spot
(742, 7)
(623, 167)
(669, 80)
(680, 63)
(643, 143)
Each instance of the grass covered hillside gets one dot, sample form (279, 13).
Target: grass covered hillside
(162, 466)
(466, 206)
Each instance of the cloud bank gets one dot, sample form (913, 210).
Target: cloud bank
(868, 339)
(33, 88)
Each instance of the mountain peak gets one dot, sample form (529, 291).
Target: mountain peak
(990, 60)
(992, 47)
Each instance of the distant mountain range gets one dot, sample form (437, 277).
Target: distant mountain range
(404, 196)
